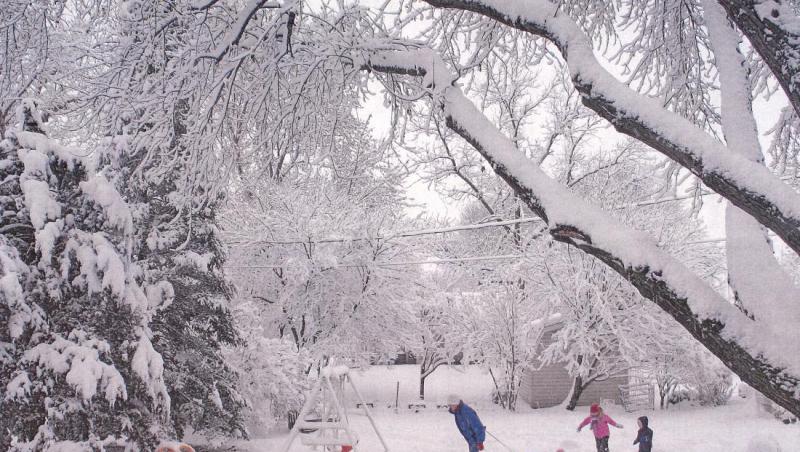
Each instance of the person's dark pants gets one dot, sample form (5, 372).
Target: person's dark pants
(473, 447)
(602, 444)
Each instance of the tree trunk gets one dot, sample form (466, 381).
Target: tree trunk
(577, 390)
(422, 378)
(776, 45)
(497, 389)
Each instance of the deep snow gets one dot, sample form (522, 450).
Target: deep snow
(724, 429)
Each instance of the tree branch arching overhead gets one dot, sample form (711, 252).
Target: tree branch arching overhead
(755, 353)
(746, 184)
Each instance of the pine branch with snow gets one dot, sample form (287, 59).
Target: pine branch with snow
(78, 313)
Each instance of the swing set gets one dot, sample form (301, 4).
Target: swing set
(330, 427)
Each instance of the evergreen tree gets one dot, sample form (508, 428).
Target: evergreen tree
(158, 170)
(77, 363)
(183, 247)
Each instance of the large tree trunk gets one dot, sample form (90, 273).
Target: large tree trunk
(656, 275)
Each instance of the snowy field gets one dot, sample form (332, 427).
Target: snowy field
(724, 429)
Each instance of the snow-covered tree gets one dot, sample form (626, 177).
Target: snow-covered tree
(496, 311)
(657, 275)
(171, 181)
(673, 60)
(272, 374)
(313, 256)
(78, 362)
(193, 331)
(607, 326)
(503, 326)
(431, 332)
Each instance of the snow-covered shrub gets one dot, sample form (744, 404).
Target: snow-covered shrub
(763, 443)
(715, 393)
(714, 385)
(681, 393)
(686, 372)
(708, 385)
(273, 377)
(775, 410)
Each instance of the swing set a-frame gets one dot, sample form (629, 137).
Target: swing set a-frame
(330, 430)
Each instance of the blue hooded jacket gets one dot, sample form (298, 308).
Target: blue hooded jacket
(645, 437)
(469, 424)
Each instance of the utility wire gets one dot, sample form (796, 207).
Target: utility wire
(410, 233)
(391, 264)
(435, 231)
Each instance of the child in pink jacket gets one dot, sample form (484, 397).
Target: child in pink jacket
(599, 426)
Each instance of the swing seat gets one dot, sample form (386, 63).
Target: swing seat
(309, 424)
(344, 440)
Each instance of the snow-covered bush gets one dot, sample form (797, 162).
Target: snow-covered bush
(698, 377)
(711, 381)
(775, 410)
(763, 443)
(717, 389)
(273, 376)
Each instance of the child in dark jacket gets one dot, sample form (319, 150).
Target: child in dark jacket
(645, 437)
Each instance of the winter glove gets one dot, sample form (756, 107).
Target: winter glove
(480, 446)
(579, 429)
(620, 426)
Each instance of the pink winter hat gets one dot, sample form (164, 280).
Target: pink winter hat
(595, 409)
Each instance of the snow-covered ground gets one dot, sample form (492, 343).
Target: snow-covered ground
(724, 429)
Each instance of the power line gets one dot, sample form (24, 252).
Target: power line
(420, 262)
(391, 264)
(722, 239)
(444, 230)
(410, 233)
(664, 200)
(435, 231)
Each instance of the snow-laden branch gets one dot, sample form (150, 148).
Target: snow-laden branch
(774, 31)
(762, 356)
(748, 185)
(761, 285)
(235, 33)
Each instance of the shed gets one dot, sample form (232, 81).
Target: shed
(550, 385)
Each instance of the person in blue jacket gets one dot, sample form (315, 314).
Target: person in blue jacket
(468, 423)
(645, 437)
